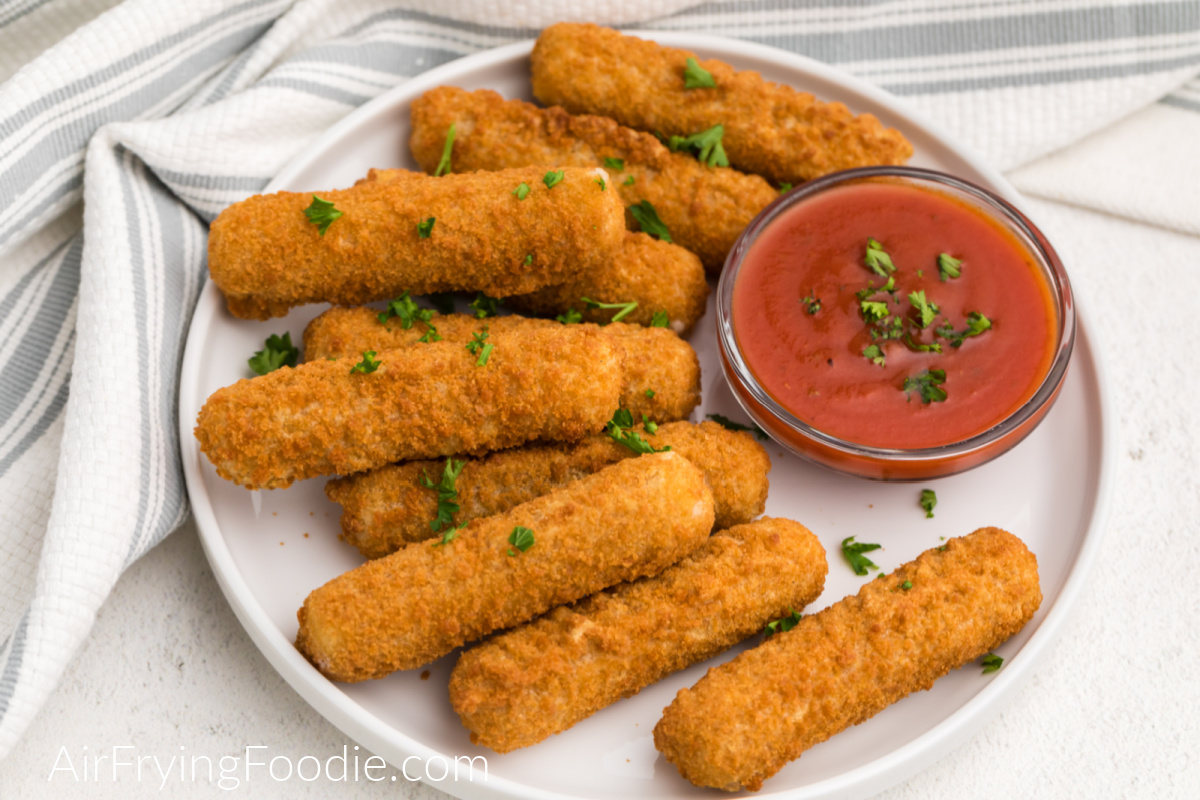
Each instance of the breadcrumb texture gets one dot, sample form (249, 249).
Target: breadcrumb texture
(746, 719)
(770, 130)
(422, 402)
(651, 358)
(538, 680)
(266, 256)
(633, 519)
(705, 208)
(386, 508)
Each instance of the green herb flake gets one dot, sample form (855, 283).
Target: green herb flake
(932, 347)
(522, 190)
(628, 181)
(812, 303)
(873, 310)
(992, 663)
(784, 188)
(853, 551)
(905, 586)
(367, 365)
(603, 185)
(447, 493)
(660, 320)
(949, 266)
(552, 178)
(705, 146)
(726, 422)
(520, 538)
(878, 260)
(650, 425)
(647, 219)
(571, 317)
(450, 534)
(928, 502)
(874, 354)
(484, 306)
(617, 164)
(277, 352)
(928, 310)
(928, 386)
(322, 214)
(783, 625)
(407, 311)
(443, 166)
(976, 324)
(696, 76)
(424, 229)
(618, 429)
(625, 308)
(649, 393)
(478, 346)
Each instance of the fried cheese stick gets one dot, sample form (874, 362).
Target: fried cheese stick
(633, 519)
(652, 359)
(745, 719)
(769, 129)
(537, 680)
(386, 508)
(705, 209)
(656, 275)
(460, 232)
(324, 417)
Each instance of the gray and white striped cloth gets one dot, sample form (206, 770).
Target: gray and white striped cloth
(125, 137)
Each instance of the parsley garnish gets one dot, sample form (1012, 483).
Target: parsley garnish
(949, 266)
(570, 318)
(650, 425)
(649, 393)
(782, 625)
(812, 303)
(696, 76)
(660, 320)
(443, 301)
(726, 422)
(478, 346)
(648, 221)
(450, 534)
(874, 354)
(873, 310)
(890, 286)
(522, 190)
(626, 308)
(552, 178)
(853, 551)
(976, 324)
(618, 429)
(628, 181)
(446, 492)
(927, 384)
(484, 306)
(614, 163)
(927, 309)
(322, 214)
(992, 663)
(603, 185)
(878, 260)
(368, 363)
(407, 310)
(444, 165)
(705, 146)
(424, 229)
(277, 351)
(905, 586)
(785, 188)
(520, 538)
(932, 347)
(928, 502)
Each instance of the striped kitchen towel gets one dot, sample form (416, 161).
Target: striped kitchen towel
(141, 120)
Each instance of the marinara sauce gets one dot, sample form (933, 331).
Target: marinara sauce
(799, 322)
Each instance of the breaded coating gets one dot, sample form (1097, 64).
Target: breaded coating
(539, 679)
(386, 508)
(633, 519)
(746, 719)
(771, 130)
(651, 358)
(435, 400)
(656, 275)
(704, 208)
(266, 256)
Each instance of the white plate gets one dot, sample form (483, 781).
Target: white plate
(269, 549)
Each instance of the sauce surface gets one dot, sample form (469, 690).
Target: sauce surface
(813, 364)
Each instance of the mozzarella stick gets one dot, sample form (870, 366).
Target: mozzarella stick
(745, 719)
(769, 129)
(386, 508)
(326, 417)
(459, 232)
(633, 519)
(704, 209)
(652, 359)
(532, 682)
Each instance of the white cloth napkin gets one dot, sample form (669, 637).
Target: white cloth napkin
(158, 114)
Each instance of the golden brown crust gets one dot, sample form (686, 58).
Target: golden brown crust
(745, 719)
(266, 256)
(633, 519)
(704, 208)
(651, 358)
(770, 129)
(540, 679)
(422, 402)
(386, 508)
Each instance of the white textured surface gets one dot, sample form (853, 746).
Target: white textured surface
(1111, 713)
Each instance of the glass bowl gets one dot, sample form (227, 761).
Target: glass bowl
(882, 463)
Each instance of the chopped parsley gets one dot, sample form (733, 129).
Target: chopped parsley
(450, 534)
(905, 586)
(726, 422)
(928, 385)
(570, 317)
(649, 393)
(617, 164)
(890, 286)
(447, 493)
(424, 229)
(322, 214)
(878, 260)
(484, 306)
(874, 354)
(528, 259)
(992, 663)
(949, 266)
(477, 346)
(925, 308)
(522, 190)
(603, 185)
(368, 363)
(660, 320)
(553, 178)
(784, 188)
(618, 429)
(705, 146)
(783, 625)
(628, 181)
(650, 425)
(812, 303)
(443, 166)
(928, 502)
(647, 219)
(696, 76)
(932, 347)
(407, 311)
(520, 538)
(853, 551)
(976, 324)
(625, 308)
(873, 310)
(277, 352)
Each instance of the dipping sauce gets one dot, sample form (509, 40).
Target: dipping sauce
(801, 326)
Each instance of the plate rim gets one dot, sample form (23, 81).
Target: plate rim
(361, 725)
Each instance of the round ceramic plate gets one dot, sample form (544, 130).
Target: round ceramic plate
(270, 549)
